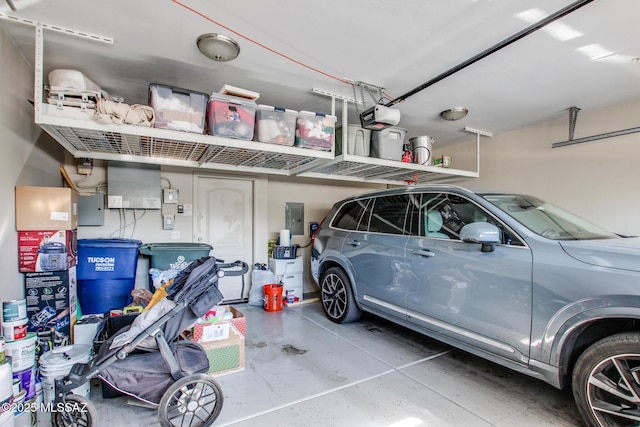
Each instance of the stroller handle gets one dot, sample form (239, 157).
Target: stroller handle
(236, 268)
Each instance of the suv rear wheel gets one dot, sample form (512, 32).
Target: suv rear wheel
(606, 381)
(337, 297)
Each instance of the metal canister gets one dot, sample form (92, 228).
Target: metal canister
(422, 147)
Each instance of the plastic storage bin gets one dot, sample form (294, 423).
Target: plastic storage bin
(231, 116)
(106, 273)
(358, 141)
(178, 109)
(275, 125)
(315, 130)
(388, 143)
(165, 256)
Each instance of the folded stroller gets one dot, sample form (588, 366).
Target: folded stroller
(146, 360)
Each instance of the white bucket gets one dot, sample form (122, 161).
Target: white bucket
(6, 382)
(15, 330)
(14, 310)
(22, 352)
(7, 419)
(57, 363)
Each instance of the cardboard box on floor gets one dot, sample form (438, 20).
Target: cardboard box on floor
(226, 356)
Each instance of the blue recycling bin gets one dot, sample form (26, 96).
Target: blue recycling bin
(106, 273)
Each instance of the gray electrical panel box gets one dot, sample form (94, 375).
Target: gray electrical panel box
(91, 209)
(294, 218)
(133, 186)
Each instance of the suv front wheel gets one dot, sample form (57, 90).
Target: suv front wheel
(337, 296)
(606, 381)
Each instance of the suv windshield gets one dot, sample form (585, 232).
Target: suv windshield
(546, 219)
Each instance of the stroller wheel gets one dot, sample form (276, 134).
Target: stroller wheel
(192, 401)
(75, 411)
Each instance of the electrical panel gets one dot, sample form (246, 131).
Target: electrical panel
(91, 209)
(133, 186)
(294, 218)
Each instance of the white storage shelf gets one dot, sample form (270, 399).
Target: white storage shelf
(85, 138)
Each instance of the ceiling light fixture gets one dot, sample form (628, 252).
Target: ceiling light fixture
(454, 113)
(218, 47)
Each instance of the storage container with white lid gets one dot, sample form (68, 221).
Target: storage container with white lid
(315, 130)
(178, 109)
(231, 116)
(275, 125)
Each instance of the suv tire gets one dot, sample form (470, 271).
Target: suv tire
(337, 297)
(609, 365)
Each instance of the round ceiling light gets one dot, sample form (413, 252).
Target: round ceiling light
(454, 113)
(218, 47)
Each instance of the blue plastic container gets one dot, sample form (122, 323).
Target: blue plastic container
(106, 273)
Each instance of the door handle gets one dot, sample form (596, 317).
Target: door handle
(423, 252)
(353, 243)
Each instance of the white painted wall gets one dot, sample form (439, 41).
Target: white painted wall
(597, 180)
(28, 157)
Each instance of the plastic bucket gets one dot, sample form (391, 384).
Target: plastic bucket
(15, 330)
(27, 379)
(14, 310)
(6, 385)
(22, 352)
(272, 297)
(57, 363)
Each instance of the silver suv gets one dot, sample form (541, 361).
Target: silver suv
(504, 276)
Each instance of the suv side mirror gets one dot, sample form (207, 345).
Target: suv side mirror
(481, 232)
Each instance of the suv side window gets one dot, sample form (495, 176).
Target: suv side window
(389, 214)
(350, 215)
(443, 215)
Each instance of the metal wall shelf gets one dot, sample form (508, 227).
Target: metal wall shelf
(87, 139)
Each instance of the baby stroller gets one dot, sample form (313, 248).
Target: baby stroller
(153, 365)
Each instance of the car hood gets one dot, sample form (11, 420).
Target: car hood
(614, 253)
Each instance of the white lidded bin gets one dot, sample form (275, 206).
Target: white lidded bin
(57, 363)
(275, 125)
(388, 143)
(358, 141)
(231, 116)
(315, 130)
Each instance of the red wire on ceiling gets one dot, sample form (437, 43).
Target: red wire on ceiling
(262, 45)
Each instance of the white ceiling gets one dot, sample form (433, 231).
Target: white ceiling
(398, 45)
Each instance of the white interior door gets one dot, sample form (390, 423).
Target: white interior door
(223, 218)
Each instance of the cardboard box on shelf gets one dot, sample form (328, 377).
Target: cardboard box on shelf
(46, 208)
(47, 250)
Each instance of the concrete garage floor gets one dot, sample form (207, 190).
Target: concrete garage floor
(303, 370)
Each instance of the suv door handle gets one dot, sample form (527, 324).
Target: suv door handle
(353, 243)
(423, 252)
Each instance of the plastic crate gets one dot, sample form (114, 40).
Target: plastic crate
(178, 109)
(275, 125)
(284, 252)
(231, 116)
(315, 131)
